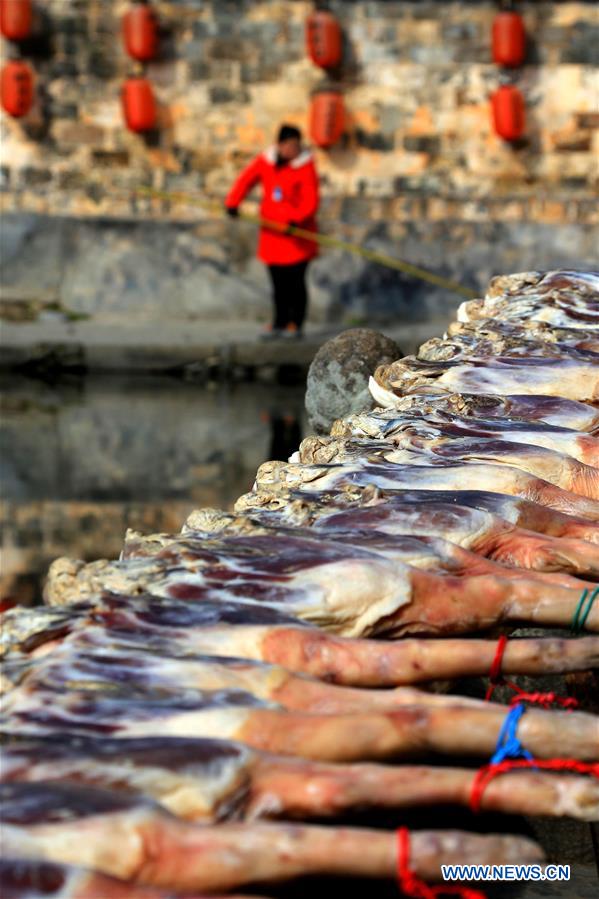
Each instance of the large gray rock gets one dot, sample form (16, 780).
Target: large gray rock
(338, 375)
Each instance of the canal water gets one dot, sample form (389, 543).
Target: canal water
(83, 459)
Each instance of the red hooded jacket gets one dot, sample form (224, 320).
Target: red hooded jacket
(290, 196)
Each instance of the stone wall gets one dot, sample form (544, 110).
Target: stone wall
(133, 272)
(418, 173)
(416, 78)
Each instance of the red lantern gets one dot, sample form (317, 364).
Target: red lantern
(509, 39)
(140, 33)
(327, 118)
(16, 88)
(509, 116)
(139, 105)
(323, 39)
(15, 19)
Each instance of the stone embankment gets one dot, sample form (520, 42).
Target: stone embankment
(200, 349)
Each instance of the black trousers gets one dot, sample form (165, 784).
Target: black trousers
(290, 297)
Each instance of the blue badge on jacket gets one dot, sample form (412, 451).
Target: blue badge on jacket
(277, 194)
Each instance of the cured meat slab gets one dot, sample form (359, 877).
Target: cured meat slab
(338, 586)
(303, 507)
(529, 375)
(420, 514)
(445, 725)
(260, 633)
(391, 425)
(427, 552)
(552, 410)
(561, 298)
(214, 780)
(132, 838)
(496, 337)
(94, 661)
(423, 447)
(281, 476)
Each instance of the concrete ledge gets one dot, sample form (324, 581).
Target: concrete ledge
(165, 346)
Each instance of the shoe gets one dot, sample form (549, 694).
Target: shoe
(292, 332)
(270, 333)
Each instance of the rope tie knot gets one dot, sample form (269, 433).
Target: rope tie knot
(496, 679)
(508, 742)
(411, 885)
(510, 754)
(583, 609)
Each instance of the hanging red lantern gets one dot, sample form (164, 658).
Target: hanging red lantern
(327, 118)
(139, 105)
(509, 117)
(323, 39)
(15, 19)
(509, 39)
(140, 32)
(16, 88)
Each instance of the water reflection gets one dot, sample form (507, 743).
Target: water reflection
(84, 459)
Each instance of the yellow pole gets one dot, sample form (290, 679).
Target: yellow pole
(323, 239)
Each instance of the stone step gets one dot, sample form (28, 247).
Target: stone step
(195, 347)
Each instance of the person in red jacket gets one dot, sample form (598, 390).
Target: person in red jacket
(289, 182)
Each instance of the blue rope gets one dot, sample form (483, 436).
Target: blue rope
(508, 744)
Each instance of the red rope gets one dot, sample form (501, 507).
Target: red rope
(546, 700)
(495, 675)
(496, 679)
(488, 772)
(411, 885)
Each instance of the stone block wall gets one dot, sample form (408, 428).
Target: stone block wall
(416, 78)
(419, 172)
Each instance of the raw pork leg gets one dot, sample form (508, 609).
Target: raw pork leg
(391, 425)
(561, 298)
(212, 780)
(273, 476)
(88, 662)
(302, 507)
(261, 633)
(481, 532)
(572, 379)
(554, 467)
(337, 586)
(446, 725)
(552, 410)
(136, 840)
(463, 347)
(427, 552)
(494, 337)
